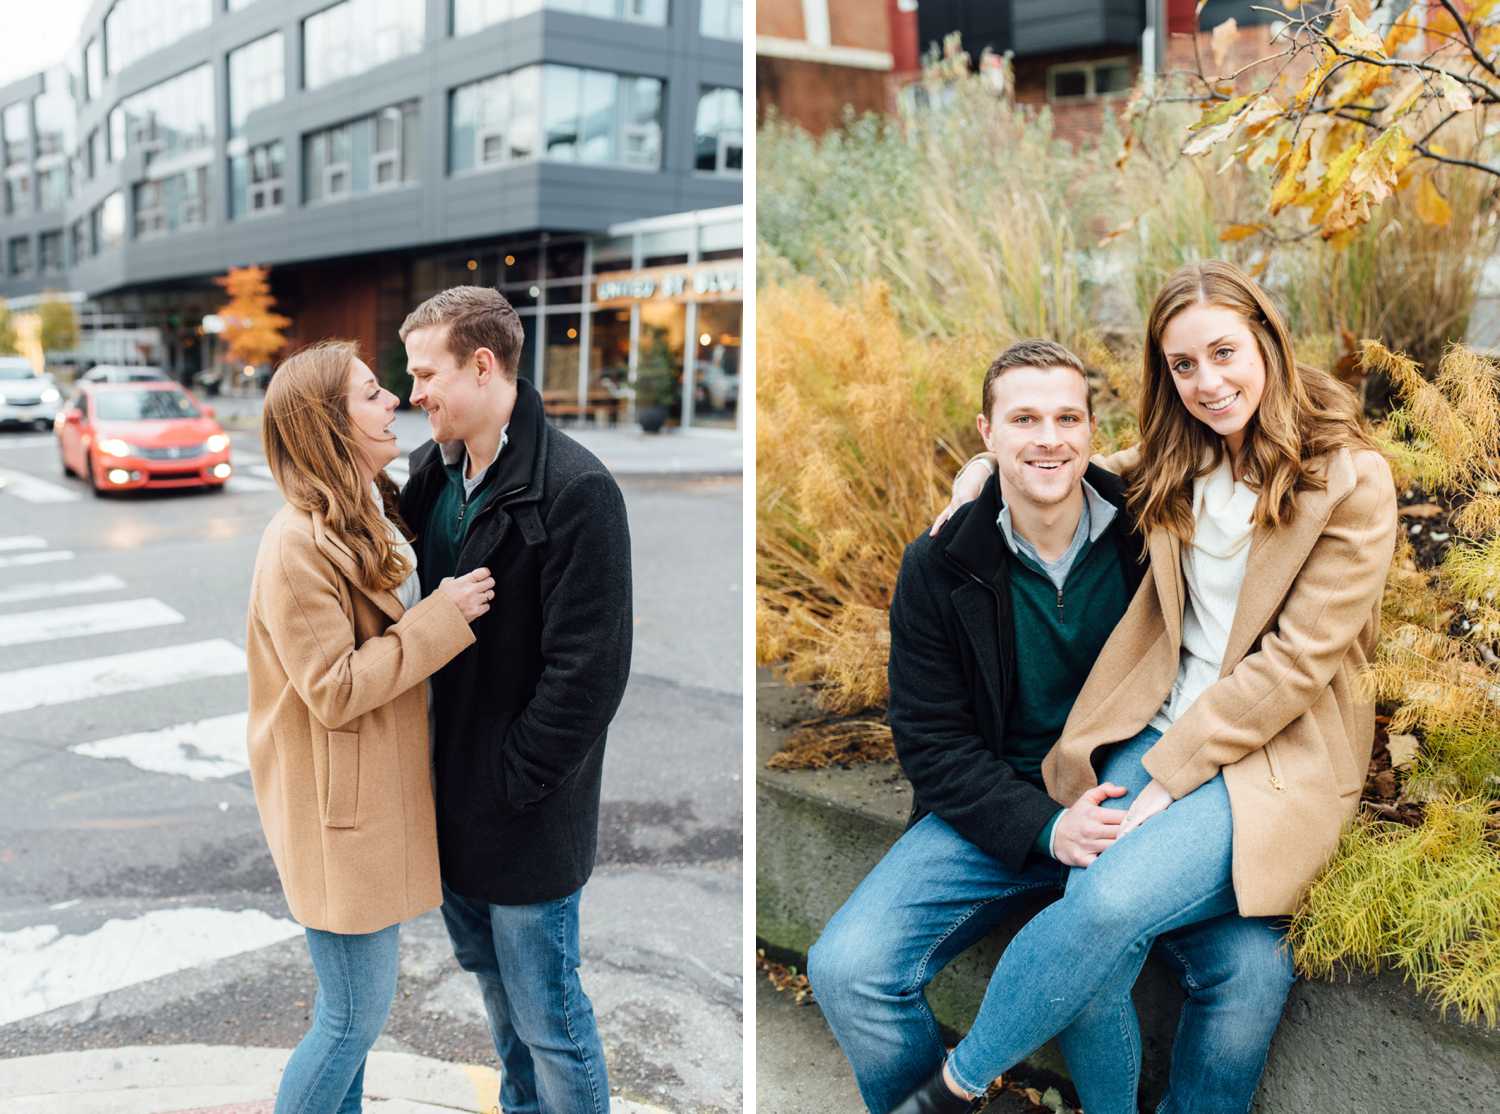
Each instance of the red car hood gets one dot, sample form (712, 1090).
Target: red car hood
(162, 433)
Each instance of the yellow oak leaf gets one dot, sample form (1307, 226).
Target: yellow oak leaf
(1266, 150)
(1404, 30)
(1314, 80)
(1326, 193)
(1454, 94)
(1239, 232)
(1431, 205)
(1288, 187)
(1376, 170)
(1350, 33)
(1219, 113)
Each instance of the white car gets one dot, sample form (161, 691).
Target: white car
(26, 398)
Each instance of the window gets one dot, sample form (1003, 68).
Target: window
(56, 130)
(136, 28)
(16, 124)
(17, 190)
(472, 15)
(1111, 77)
(167, 205)
(93, 162)
(109, 222)
(19, 255)
(84, 244)
(257, 77)
(590, 116)
(372, 153)
(50, 246)
(93, 69)
(719, 142)
(256, 181)
(358, 35)
(236, 5)
(52, 186)
(721, 19)
(170, 118)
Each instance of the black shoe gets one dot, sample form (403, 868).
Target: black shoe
(934, 1097)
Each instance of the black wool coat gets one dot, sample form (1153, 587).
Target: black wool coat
(952, 673)
(522, 714)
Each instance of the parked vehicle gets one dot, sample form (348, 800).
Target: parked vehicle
(26, 398)
(124, 436)
(123, 373)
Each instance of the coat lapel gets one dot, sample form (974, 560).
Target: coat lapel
(976, 607)
(335, 550)
(1273, 565)
(1166, 571)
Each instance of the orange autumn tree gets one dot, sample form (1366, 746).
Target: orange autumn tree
(252, 329)
(1358, 102)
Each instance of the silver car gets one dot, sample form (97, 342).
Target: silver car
(26, 398)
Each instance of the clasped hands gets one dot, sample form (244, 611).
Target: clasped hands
(1085, 831)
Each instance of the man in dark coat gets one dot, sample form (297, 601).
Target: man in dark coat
(995, 624)
(519, 718)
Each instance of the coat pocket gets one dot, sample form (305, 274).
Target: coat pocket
(343, 779)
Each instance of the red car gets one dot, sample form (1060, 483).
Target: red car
(123, 436)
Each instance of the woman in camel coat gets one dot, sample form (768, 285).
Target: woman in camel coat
(1225, 703)
(339, 647)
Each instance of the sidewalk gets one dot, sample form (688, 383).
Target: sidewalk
(204, 1079)
(625, 450)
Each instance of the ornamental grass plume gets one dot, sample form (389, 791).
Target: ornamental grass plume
(860, 427)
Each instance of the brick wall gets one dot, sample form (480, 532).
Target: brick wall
(815, 95)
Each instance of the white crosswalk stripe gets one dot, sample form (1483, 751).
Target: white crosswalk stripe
(52, 589)
(48, 557)
(48, 685)
(26, 542)
(27, 441)
(203, 751)
(86, 619)
(241, 482)
(27, 487)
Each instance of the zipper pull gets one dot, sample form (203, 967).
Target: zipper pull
(1059, 600)
(1277, 785)
(462, 509)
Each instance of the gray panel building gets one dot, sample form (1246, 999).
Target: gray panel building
(371, 152)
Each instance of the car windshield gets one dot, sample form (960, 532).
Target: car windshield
(17, 373)
(130, 406)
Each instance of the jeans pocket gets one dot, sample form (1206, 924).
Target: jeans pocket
(343, 779)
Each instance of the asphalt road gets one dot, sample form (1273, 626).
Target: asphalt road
(138, 903)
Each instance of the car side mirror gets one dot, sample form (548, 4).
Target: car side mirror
(208, 411)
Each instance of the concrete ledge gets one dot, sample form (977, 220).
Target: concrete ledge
(1362, 1045)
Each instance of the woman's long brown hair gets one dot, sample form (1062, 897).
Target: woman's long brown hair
(1303, 415)
(310, 447)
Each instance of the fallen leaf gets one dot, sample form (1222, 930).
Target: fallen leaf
(1223, 40)
(1402, 749)
(1385, 784)
(1420, 510)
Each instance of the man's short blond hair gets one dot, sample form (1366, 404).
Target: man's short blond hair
(476, 317)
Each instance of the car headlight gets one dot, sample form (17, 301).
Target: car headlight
(113, 446)
(217, 443)
(51, 395)
(2, 400)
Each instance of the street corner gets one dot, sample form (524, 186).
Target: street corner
(209, 1079)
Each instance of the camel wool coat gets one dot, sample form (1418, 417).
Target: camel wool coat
(1284, 721)
(338, 735)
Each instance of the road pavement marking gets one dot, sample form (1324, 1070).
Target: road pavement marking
(241, 482)
(203, 750)
(32, 490)
(49, 589)
(42, 969)
(48, 685)
(20, 542)
(86, 619)
(46, 558)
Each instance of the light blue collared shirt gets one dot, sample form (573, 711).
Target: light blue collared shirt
(1098, 513)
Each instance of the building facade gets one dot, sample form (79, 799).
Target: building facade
(371, 152)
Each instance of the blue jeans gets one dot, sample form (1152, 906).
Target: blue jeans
(526, 959)
(934, 894)
(356, 985)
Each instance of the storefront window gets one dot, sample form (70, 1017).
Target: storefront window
(560, 360)
(658, 376)
(609, 350)
(717, 373)
(522, 266)
(527, 368)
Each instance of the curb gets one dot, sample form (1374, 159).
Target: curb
(209, 1079)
